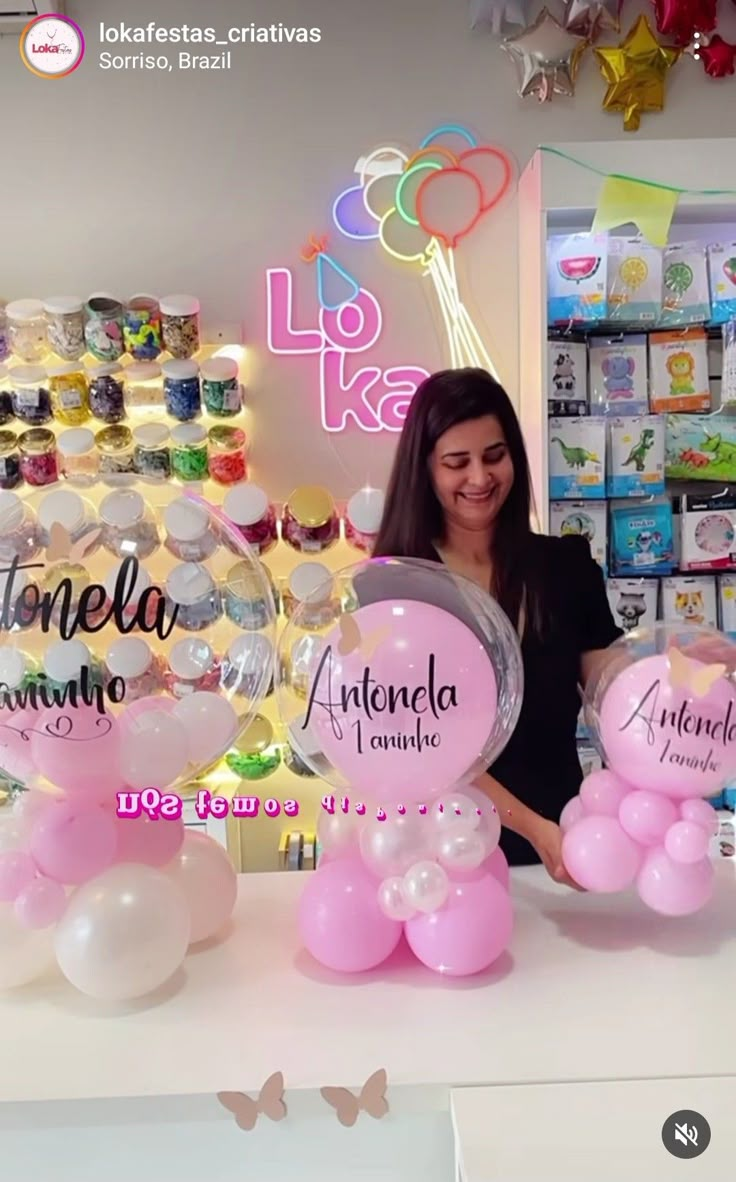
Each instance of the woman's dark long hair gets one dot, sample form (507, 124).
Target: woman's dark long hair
(413, 518)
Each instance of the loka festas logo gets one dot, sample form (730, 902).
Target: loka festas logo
(51, 46)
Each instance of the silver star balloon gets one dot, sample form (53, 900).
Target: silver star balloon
(590, 18)
(546, 58)
(499, 16)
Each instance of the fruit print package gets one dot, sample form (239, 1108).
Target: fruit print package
(722, 276)
(678, 371)
(577, 459)
(642, 540)
(576, 278)
(685, 287)
(634, 281)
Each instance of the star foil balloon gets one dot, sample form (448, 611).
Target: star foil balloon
(590, 18)
(546, 57)
(636, 72)
(716, 55)
(499, 16)
(680, 19)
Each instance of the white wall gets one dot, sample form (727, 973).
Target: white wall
(196, 182)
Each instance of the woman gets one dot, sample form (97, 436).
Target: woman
(460, 493)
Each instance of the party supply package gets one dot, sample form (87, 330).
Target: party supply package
(577, 458)
(586, 518)
(690, 599)
(678, 371)
(567, 389)
(576, 278)
(618, 379)
(642, 539)
(727, 604)
(685, 287)
(700, 447)
(708, 532)
(633, 602)
(634, 281)
(722, 276)
(635, 463)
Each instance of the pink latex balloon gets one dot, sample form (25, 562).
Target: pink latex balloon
(439, 681)
(211, 724)
(600, 856)
(41, 904)
(16, 732)
(340, 921)
(27, 807)
(17, 870)
(700, 813)
(666, 737)
(205, 874)
(601, 793)
(497, 865)
(468, 933)
(148, 841)
(143, 706)
(646, 816)
(571, 813)
(73, 841)
(674, 889)
(78, 749)
(686, 842)
(155, 750)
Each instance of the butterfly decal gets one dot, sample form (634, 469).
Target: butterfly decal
(61, 546)
(372, 1099)
(692, 675)
(351, 639)
(246, 1111)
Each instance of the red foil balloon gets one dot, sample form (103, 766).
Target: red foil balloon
(717, 57)
(680, 19)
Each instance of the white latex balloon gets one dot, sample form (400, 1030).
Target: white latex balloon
(206, 876)
(155, 750)
(24, 954)
(391, 899)
(390, 847)
(211, 725)
(425, 886)
(462, 849)
(336, 831)
(457, 809)
(124, 933)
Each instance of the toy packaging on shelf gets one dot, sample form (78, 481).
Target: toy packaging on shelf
(678, 371)
(722, 275)
(642, 539)
(700, 447)
(635, 463)
(633, 602)
(723, 843)
(708, 532)
(634, 281)
(590, 760)
(727, 604)
(618, 380)
(577, 457)
(690, 600)
(685, 288)
(567, 392)
(576, 278)
(728, 364)
(588, 519)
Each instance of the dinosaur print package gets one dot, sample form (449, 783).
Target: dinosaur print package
(635, 466)
(678, 371)
(619, 382)
(577, 459)
(690, 599)
(633, 602)
(642, 539)
(700, 447)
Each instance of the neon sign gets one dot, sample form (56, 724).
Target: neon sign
(371, 398)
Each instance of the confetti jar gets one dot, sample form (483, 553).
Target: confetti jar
(310, 587)
(133, 594)
(38, 458)
(30, 395)
(304, 659)
(15, 667)
(19, 533)
(363, 518)
(255, 754)
(65, 326)
(252, 516)
(4, 342)
(115, 445)
(143, 386)
(301, 746)
(189, 535)
(66, 508)
(76, 580)
(189, 452)
(107, 391)
(227, 463)
(310, 522)
(128, 525)
(151, 452)
(182, 394)
(192, 667)
(27, 330)
(10, 476)
(245, 603)
(142, 328)
(64, 661)
(130, 658)
(69, 393)
(191, 593)
(180, 325)
(6, 402)
(79, 461)
(103, 329)
(248, 667)
(221, 391)
(16, 590)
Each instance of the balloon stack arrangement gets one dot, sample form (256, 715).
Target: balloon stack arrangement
(663, 714)
(413, 692)
(105, 633)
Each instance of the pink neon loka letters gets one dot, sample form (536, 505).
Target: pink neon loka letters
(373, 399)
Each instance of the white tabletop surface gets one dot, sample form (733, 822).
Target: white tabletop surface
(592, 988)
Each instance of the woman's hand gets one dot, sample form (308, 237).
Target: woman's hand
(546, 837)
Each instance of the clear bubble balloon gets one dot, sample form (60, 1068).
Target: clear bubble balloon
(391, 899)
(462, 849)
(426, 886)
(390, 847)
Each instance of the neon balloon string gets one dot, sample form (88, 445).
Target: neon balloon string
(450, 129)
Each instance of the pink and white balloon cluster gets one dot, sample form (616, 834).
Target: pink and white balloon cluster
(666, 727)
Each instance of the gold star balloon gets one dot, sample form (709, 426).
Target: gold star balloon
(636, 71)
(546, 58)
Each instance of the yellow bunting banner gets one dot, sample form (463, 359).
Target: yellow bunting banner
(649, 206)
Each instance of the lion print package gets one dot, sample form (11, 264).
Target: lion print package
(678, 371)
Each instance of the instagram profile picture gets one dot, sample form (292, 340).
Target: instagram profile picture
(51, 46)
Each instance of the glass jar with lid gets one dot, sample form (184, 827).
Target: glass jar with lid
(363, 518)
(189, 452)
(143, 386)
(182, 393)
(66, 508)
(115, 446)
(310, 522)
(128, 599)
(69, 393)
(107, 391)
(192, 597)
(189, 534)
(151, 451)
(252, 516)
(4, 342)
(20, 536)
(142, 327)
(65, 326)
(103, 329)
(255, 754)
(221, 391)
(248, 668)
(38, 457)
(27, 330)
(131, 659)
(193, 667)
(246, 602)
(303, 751)
(29, 394)
(70, 580)
(128, 525)
(180, 325)
(64, 661)
(226, 462)
(311, 588)
(79, 460)
(10, 476)
(6, 401)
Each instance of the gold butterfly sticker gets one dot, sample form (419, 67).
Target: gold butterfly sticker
(351, 639)
(246, 1111)
(62, 547)
(372, 1099)
(691, 675)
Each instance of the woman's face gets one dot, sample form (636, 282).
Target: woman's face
(472, 472)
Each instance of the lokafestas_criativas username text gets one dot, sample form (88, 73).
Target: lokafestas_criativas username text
(122, 34)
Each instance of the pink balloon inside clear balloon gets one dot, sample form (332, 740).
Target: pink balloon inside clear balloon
(601, 793)
(600, 856)
(73, 842)
(671, 888)
(700, 813)
(469, 932)
(152, 842)
(665, 736)
(41, 904)
(646, 816)
(78, 749)
(571, 813)
(414, 715)
(497, 865)
(17, 870)
(686, 842)
(16, 733)
(143, 706)
(340, 921)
